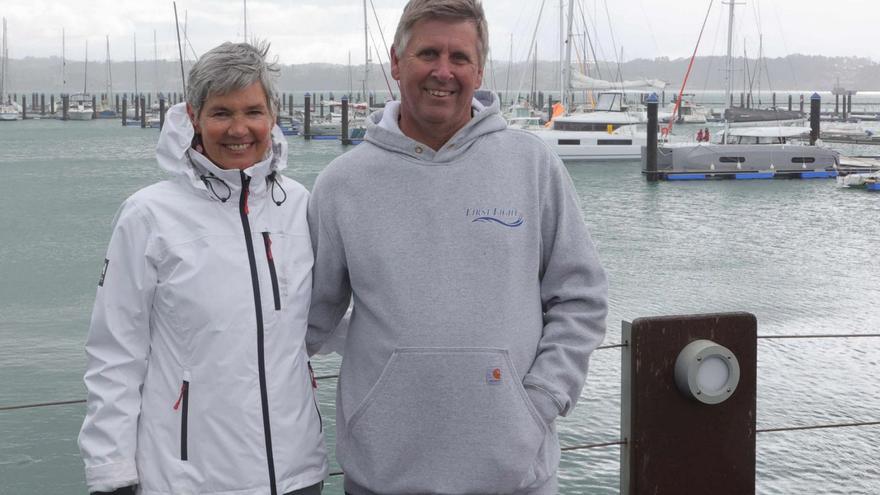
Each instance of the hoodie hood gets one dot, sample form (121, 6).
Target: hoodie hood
(383, 131)
(176, 156)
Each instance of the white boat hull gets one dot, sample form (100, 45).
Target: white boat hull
(79, 115)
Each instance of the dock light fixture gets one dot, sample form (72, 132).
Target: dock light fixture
(706, 371)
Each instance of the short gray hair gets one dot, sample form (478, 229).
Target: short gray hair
(230, 67)
(459, 10)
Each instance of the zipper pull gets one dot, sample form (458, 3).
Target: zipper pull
(312, 375)
(180, 397)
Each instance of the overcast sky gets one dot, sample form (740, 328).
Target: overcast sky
(329, 30)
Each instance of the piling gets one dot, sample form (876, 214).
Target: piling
(837, 104)
(23, 107)
(774, 100)
(651, 147)
(802, 104)
(742, 100)
(290, 105)
(137, 107)
(849, 104)
(65, 105)
(749, 100)
(815, 106)
(685, 434)
(731, 100)
(116, 107)
(144, 112)
(663, 97)
(549, 108)
(149, 101)
(307, 117)
(42, 103)
(540, 99)
(845, 113)
(322, 106)
(372, 100)
(124, 110)
(52, 104)
(346, 137)
(94, 107)
(789, 103)
(161, 111)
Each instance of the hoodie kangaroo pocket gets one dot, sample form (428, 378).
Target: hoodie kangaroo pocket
(447, 420)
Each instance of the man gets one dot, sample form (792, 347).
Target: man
(477, 296)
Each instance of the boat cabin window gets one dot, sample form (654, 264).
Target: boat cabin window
(625, 142)
(732, 159)
(563, 142)
(803, 159)
(582, 126)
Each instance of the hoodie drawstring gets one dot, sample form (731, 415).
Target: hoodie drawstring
(207, 180)
(276, 183)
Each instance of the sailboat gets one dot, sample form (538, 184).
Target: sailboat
(81, 103)
(107, 107)
(8, 110)
(609, 131)
(748, 153)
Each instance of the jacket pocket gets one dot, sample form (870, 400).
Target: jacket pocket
(182, 405)
(276, 293)
(450, 420)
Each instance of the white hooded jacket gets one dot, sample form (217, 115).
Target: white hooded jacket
(198, 379)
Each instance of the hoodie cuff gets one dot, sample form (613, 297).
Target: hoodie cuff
(109, 477)
(544, 403)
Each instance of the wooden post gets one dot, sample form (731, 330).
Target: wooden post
(161, 111)
(815, 106)
(42, 103)
(307, 117)
(116, 107)
(837, 104)
(322, 106)
(52, 104)
(845, 107)
(23, 107)
(651, 145)
(346, 136)
(789, 103)
(94, 107)
(124, 110)
(678, 443)
(65, 105)
(549, 107)
(290, 105)
(849, 104)
(802, 104)
(144, 112)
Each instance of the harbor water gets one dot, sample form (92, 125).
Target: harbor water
(802, 255)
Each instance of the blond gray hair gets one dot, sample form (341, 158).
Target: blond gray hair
(458, 10)
(230, 67)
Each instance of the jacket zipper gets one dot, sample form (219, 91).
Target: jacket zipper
(267, 241)
(258, 307)
(184, 413)
(314, 394)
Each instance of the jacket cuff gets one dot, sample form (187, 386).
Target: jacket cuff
(109, 477)
(544, 403)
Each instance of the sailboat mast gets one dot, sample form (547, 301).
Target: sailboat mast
(155, 65)
(729, 72)
(134, 42)
(109, 74)
(3, 56)
(245, 21)
(63, 65)
(86, 68)
(366, 53)
(561, 51)
(567, 68)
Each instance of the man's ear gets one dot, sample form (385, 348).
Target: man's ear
(395, 64)
(192, 118)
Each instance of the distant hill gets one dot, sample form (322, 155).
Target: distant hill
(794, 72)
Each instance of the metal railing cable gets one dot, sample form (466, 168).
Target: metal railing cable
(83, 401)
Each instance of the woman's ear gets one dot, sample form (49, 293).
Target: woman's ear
(192, 118)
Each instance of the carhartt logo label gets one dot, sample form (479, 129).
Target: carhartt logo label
(507, 217)
(103, 273)
(493, 376)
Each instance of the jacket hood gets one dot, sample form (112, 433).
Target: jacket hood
(383, 131)
(176, 156)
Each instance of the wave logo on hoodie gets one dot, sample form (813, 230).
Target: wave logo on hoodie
(506, 217)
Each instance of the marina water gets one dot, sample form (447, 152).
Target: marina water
(802, 255)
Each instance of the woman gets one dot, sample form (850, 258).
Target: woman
(198, 377)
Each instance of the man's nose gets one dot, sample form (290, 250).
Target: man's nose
(442, 69)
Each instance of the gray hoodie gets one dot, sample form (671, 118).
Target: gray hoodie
(477, 300)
